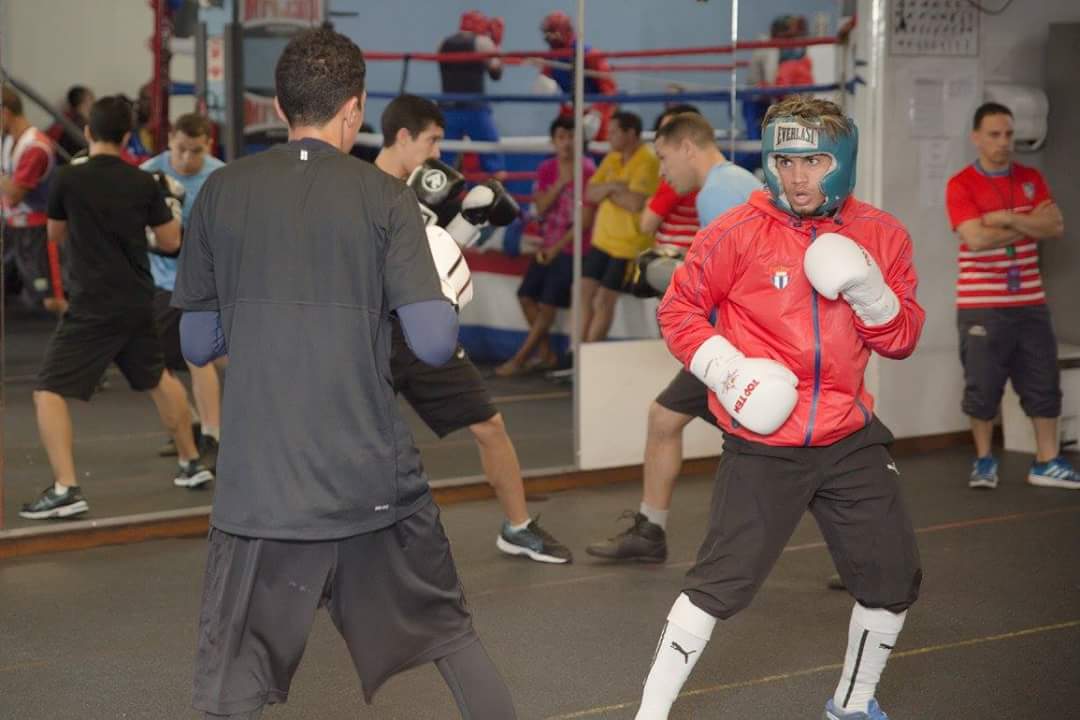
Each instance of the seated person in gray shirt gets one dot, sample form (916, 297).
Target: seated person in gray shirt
(293, 263)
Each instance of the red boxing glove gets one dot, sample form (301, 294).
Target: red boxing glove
(496, 27)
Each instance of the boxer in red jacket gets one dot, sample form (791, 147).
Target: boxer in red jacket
(804, 282)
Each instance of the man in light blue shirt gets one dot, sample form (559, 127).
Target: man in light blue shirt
(689, 160)
(726, 185)
(189, 163)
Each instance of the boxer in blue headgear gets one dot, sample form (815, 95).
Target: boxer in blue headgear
(786, 136)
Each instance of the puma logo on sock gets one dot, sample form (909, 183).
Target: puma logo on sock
(686, 655)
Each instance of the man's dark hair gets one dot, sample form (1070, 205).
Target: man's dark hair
(411, 112)
(317, 73)
(11, 100)
(989, 108)
(76, 94)
(674, 110)
(110, 119)
(566, 122)
(193, 125)
(628, 121)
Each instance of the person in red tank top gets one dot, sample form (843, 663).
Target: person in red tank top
(1001, 211)
(670, 217)
(776, 310)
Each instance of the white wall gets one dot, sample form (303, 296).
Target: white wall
(921, 395)
(102, 44)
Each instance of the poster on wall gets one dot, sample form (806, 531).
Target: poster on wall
(934, 27)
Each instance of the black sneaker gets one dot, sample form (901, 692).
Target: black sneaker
(208, 450)
(169, 448)
(533, 542)
(192, 474)
(643, 541)
(50, 505)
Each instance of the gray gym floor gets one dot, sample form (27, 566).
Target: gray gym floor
(109, 633)
(118, 433)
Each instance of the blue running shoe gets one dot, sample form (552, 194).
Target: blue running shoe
(984, 473)
(1058, 473)
(873, 712)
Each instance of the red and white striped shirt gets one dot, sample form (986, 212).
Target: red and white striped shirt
(679, 215)
(1006, 276)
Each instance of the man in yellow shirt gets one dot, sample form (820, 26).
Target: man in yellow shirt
(626, 178)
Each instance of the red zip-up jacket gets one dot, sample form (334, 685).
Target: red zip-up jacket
(747, 266)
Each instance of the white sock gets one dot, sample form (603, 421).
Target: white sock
(522, 526)
(871, 637)
(681, 643)
(658, 517)
(211, 431)
(59, 489)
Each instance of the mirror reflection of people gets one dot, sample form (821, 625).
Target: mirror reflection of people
(776, 310)
(472, 119)
(691, 163)
(187, 161)
(101, 208)
(558, 31)
(548, 282)
(454, 396)
(79, 99)
(626, 178)
(293, 262)
(27, 168)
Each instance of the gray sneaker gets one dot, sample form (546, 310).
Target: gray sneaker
(643, 541)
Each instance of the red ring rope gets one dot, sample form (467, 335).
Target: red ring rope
(517, 57)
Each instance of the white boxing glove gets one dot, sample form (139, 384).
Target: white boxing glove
(757, 392)
(545, 85)
(450, 264)
(837, 265)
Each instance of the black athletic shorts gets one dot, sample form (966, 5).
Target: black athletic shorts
(1018, 344)
(852, 488)
(687, 395)
(447, 398)
(84, 344)
(549, 284)
(393, 594)
(611, 272)
(167, 319)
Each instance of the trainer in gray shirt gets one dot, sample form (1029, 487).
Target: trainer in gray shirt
(305, 252)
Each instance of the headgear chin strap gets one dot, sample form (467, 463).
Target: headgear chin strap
(795, 136)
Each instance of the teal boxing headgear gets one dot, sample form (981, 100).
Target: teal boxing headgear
(797, 136)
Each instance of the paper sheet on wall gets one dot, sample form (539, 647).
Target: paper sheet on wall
(960, 102)
(933, 172)
(926, 108)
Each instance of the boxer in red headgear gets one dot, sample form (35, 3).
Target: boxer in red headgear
(558, 31)
(472, 118)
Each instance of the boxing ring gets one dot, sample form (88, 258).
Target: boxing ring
(492, 325)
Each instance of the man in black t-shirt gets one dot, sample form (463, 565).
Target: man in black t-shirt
(293, 262)
(101, 209)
